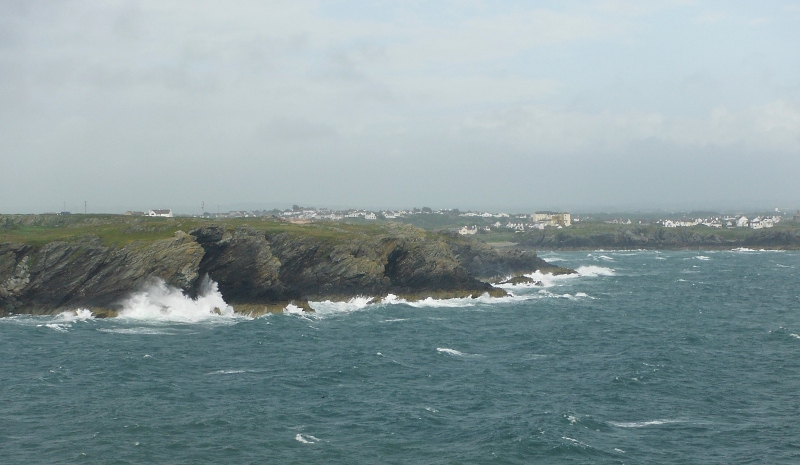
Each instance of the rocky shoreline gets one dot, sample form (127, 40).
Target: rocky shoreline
(256, 271)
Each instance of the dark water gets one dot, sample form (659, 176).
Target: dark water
(674, 357)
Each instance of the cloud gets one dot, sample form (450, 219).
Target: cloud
(372, 101)
(713, 17)
(771, 126)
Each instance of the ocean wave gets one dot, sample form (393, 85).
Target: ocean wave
(229, 372)
(592, 271)
(552, 295)
(455, 353)
(306, 439)
(75, 315)
(64, 320)
(159, 302)
(58, 327)
(576, 442)
(747, 249)
(327, 307)
(140, 330)
(642, 424)
(549, 280)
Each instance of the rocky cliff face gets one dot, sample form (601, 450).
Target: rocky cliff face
(86, 273)
(254, 268)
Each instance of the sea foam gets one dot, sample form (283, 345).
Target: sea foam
(593, 271)
(163, 303)
(455, 353)
(306, 438)
(642, 424)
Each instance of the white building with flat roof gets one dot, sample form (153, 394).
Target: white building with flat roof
(161, 213)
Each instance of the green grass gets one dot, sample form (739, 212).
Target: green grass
(120, 230)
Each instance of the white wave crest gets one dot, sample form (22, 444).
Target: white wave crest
(702, 257)
(642, 424)
(327, 307)
(163, 303)
(306, 438)
(453, 352)
(58, 327)
(462, 302)
(64, 320)
(75, 315)
(591, 271)
(135, 331)
(443, 350)
(228, 372)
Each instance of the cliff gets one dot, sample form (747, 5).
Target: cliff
(256, 265)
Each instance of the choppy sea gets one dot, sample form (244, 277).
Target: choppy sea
(643, 357)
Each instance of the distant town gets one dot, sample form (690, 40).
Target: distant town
(474, 222)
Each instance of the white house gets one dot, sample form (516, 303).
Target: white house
(370, 216)
(742, 222)
(161, 213)
(464, 231)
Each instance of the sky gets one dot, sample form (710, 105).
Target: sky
(583, 105)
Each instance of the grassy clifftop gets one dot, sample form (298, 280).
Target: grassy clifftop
(120, 230)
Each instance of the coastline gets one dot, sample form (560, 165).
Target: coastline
(52, 264)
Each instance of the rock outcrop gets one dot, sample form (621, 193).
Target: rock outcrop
(86, 273)
(255, 268)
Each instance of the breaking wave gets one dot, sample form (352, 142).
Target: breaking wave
(642, 424)
(328, 307)
(306, 438)
(453, 352)
(64, 320)
(74, 315)
(591, 271)
(161, 302)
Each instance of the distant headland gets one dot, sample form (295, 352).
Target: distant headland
(49, 263)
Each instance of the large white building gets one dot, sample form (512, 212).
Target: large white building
(555, 219)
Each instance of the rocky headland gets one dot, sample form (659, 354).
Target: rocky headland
(49, 265)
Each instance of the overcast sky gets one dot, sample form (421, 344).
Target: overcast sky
(468, 104)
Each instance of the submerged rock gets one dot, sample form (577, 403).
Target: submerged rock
(522, 280)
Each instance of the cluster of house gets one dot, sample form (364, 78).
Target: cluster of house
(538, 220)
(759, 222)
(163, 213)
(306, 215)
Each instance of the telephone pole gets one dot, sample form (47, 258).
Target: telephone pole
(84, 207)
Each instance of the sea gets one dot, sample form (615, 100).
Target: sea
(642, 357)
